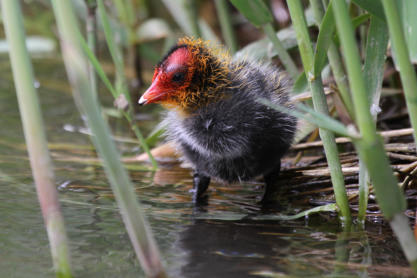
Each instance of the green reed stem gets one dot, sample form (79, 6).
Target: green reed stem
(364, 183)
(370, 147)
(335, 62)
(190, 7)
(320, 105)
(376, 47)
(407, 72)
(226, 25)
(282, 52)
(91, 30)
(76, 64)
(92, 58)
(126, 12)
(34, 131)
(116, 54)
(258, 13)
(121, 82)
(399, 222)
(375, 56)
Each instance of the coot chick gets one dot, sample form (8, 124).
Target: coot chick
(214, 117)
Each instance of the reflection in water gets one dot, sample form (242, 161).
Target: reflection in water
(245, 248)
(218, 248)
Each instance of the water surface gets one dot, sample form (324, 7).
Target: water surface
(222, 239)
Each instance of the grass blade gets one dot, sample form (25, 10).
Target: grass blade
(76, 65)
(34, 131)
(314, 117)
(259, 15)
(325, 45)
(324, 39)
(254, 10)
(192, 14)
(177, 9)
(226, 25)
(260, 49)
(116, 54)
(282, 53)
(324, 208)
(300, 84)
(407, 72)
(91, 30)
(373, 71)
(409, 19)
(370, 147)
(373, 7)
(364, 118)
(96, 64)
(320, 105)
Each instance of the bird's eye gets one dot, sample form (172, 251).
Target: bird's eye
(178, 77)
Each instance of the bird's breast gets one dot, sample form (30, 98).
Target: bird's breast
(210, 137)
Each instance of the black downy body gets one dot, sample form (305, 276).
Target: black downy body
(236, 138)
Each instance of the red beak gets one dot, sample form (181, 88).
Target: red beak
(153, 93)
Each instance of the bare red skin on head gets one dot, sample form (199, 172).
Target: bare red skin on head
(163, 87)
(181, 56)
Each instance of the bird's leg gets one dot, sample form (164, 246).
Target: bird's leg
(200, 185)
(270, 184)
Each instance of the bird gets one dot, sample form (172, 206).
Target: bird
(214, 116)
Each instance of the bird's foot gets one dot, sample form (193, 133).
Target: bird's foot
(270, 186)
(201, 183)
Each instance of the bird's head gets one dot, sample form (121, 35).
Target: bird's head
(190, 75)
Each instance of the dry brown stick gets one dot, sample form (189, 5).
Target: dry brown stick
(307, 96)
(326, 172)
(321, 190)
(316, 144)
(402, 156)
(343, 140)
(397, 132)
(409, 167)
(313, 136)
(401, 147)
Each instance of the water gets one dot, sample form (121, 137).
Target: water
(221, 239)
